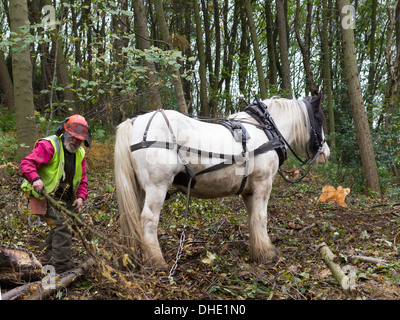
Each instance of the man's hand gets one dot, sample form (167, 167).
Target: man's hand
(38, 185)
(78, 203)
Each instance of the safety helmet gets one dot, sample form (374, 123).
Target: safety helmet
(76, 126)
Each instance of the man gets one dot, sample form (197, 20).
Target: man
(57, 165)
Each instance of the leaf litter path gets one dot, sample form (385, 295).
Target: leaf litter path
(215, 263)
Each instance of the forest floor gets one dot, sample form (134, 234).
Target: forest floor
(215, 262)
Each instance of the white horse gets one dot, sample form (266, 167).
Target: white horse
(155, 150)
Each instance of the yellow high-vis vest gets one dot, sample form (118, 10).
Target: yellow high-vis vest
(52, 172)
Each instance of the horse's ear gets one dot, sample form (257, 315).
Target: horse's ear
(316, 101)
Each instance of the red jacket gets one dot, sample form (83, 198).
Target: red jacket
(43, 153)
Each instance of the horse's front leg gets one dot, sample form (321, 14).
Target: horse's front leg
(261, 248)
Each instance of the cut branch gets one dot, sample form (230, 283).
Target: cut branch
(345, 282)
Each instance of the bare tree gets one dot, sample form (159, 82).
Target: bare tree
(357, 102)
(22, 69)
(284, 49)
(144, 43)
(305, 45)
(256, 48)
(205, 109)
(176, 77)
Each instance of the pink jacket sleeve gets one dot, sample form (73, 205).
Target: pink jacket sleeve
(41, 154)
(82, 188)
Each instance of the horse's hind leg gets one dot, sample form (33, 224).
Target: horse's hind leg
(261, 248)
(150, 215)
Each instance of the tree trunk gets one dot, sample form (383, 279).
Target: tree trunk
(144, 43)
(6, 84)
(176, 77)
(284, 49)
(357, 104)
(244, 51)
(22, 70)
(229, 52)
(272, 76)
(205, 110)
(217, 61)
(256, 48)
(305, 46)
(327, 73)
(371, 71)
(60, 65)
(393, 65)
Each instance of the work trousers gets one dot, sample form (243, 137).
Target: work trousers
(58, 243)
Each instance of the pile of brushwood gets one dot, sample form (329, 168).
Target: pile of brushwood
(326, 251)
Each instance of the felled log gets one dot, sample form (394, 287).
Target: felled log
(69, 277)
(20, 291)
(18, 266)
(347, 283)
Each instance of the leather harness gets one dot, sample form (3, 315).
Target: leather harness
(257, 110)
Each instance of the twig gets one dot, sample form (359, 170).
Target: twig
(395, 239)
(308, 227)
(79, 222)
(366, 259)
(386, 205)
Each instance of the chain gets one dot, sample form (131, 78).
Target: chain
(178, 254)
(183, 235)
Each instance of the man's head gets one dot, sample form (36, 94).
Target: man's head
(76, 130)
(72, 144)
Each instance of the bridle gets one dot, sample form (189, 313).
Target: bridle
(319, 141)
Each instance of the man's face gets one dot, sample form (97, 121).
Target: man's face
(72, 144)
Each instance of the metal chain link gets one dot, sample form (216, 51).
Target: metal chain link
(183, 235)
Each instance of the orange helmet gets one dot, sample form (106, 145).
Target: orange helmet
(76, 126)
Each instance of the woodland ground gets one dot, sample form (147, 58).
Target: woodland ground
(215, 262)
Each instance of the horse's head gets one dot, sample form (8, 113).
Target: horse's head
(317, 146)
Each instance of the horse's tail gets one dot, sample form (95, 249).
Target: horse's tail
(129, 192)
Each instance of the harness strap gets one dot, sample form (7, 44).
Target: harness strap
(232, 159)
(262, 116)
(171, 146)
(274, 143)
(146, 130)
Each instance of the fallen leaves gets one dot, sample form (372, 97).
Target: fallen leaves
(215, 262)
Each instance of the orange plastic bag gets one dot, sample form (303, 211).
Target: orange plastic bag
(331, 195)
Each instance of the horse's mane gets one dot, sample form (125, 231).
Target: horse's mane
(295, 111)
